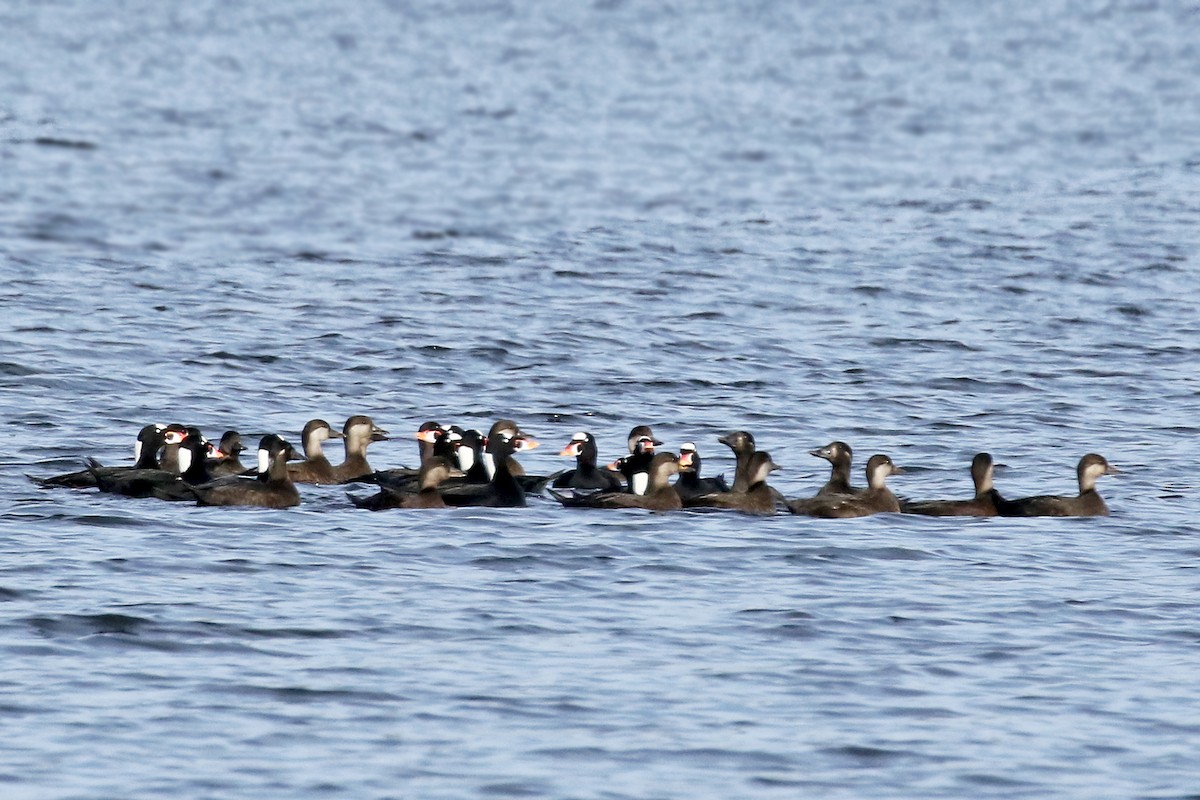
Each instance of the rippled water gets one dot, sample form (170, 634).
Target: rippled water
(926, 229)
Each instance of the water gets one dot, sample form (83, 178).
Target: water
(925, 229)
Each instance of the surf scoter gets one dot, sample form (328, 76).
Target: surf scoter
(759, 498)
(434, 470)
(315, 468)
(226, 460)
(1088, 503)
(586, 474)
(145, 456)
(660, 494)
(875, 499)
(160, 483)
(271, 488)
(690, 484)
(503, 489)
(983, 504)
(742, 445)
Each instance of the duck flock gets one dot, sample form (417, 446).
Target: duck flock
(464, 467)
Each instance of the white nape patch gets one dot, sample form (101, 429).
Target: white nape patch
(639, 481)
(137, 451)
(489, 464)
(264, 460)
(185, 459)
(466, 458)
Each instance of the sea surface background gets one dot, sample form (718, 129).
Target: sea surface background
(925, 228)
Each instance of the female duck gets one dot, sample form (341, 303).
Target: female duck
(1088, 503)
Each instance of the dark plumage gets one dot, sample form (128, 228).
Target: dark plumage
(503, 490)
(315, 468)
(227, 458)
(271, 488)
(1087, 503)
(742, 445)
(660, 494)
(759, 498)
(586, 474)
(983, 504)
(145, 455)
(875, 499)
(690, 484)
(434, 470)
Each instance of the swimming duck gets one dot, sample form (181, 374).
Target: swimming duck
(660, 494)
(271, 488)
(875, 499)
(1088, 503)
(983, 504)
(759, 498)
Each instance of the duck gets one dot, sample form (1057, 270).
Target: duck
(660, 495)
(503, 490)
(758, 499)
(742, 445)
(635, 467)
(840, 457)
(875, 499)
(586, 474)
(226, 459)
(983, 504)
(469, 456)
(148, 443)
(432, 440)
(359, 431)
(1088, 503)
(434, 470)
(160, 483)
(271, 488)
(173, 439)
(690, 484)
(315, 468)
(501, 427)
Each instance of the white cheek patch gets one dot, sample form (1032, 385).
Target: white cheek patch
(185, 460)
(639, 481)
(264, 460)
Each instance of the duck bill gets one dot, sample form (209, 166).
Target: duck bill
(429, 437)
(526, 444)
(570, 450)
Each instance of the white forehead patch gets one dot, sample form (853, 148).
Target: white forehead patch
(688, 446)
(579, 437)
